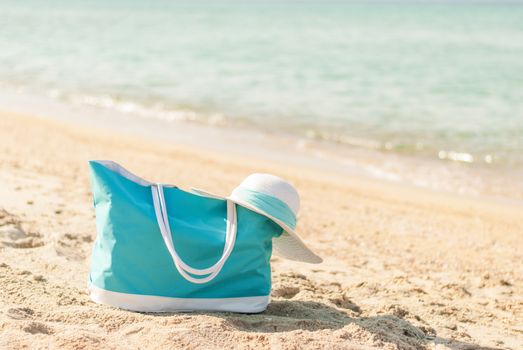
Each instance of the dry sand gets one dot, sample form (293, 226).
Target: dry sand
(404, 268)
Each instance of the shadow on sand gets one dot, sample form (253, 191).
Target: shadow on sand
(290, 315)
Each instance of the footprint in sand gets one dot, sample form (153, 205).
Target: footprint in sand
(286, 292)
(341, 300)
(38, 328)
(288, 285)
(6, 218)
(12, 234)
(73, 246)
(20, 313)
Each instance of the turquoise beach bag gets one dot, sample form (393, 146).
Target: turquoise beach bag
(160, 248)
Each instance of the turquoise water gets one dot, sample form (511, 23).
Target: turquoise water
(442, 80)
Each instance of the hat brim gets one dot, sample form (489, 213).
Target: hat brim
(288, 245)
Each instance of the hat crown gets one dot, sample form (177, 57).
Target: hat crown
(273, 186)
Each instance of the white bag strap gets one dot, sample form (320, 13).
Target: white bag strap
(184, 269)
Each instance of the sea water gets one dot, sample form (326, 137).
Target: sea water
(440, 80)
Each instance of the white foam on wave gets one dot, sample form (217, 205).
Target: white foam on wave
(157, 111)
(456, 156)
(273, 146)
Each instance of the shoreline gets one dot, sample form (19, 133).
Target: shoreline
(404, 267)
(404, 170)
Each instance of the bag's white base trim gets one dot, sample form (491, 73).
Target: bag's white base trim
(150, 303)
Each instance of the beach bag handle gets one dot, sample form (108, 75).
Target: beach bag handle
(184, 269)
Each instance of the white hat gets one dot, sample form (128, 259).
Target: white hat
(278, 200)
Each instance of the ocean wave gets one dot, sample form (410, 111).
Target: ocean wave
(316, 133)
(157, 110)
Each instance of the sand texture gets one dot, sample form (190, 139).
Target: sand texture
(404, 268)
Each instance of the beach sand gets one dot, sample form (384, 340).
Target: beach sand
(405, 268)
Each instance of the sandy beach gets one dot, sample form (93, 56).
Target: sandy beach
(405, 268)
